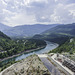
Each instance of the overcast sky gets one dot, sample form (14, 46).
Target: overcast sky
(19, 12)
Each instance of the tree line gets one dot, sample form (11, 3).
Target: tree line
(11, 47)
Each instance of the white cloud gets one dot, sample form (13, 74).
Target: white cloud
(72, 12)
(16, 12)
(20, 19)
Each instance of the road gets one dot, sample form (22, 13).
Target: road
(52, 69)
(6, 69)
(66, 70)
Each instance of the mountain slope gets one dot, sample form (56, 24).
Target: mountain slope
(28, 30)
(29, 66)
(3, 27)
(3, 36)
(60, 39)
(68, 29)
(9, 47)
(68, 46)
(58, 34)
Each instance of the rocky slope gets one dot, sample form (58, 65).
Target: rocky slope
(29, 66)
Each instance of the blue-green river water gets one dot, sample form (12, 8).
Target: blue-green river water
(49, 46)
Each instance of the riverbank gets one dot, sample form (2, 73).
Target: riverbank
(49, 46)
(28, 51)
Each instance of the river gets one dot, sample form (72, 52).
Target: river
(48, 47)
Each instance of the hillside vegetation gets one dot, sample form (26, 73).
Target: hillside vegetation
(68, 29)
(3, 36)
(68, 46)
(10, 47)
(59, 34)
(60, 39)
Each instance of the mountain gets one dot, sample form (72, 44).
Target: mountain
(28, 30)
(58, 34)
(3, 27)
(68, 46)
(3, 36)
(68, 29)
(9, 47)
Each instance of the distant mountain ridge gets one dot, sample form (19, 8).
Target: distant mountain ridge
(3, 27)
(3, 36)
(68, 29)
(58, 34)
(28, 30)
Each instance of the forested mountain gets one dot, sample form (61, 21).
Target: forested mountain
(3, 36)
(9, 47)
(58, 34)
(68, 29)
(28, 30)
(4, 27)
(68, 46)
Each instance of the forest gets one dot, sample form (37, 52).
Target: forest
(68, 46)
(10, 47)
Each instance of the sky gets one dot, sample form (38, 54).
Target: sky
(20, 12)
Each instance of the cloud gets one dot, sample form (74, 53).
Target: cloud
(66, 14)
(20, 19)
(41, 9)
(16, 12)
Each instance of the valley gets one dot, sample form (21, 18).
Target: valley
(24, 31)
(37, 37)
(54, 40)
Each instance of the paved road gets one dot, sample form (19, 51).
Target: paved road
(50, 66)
